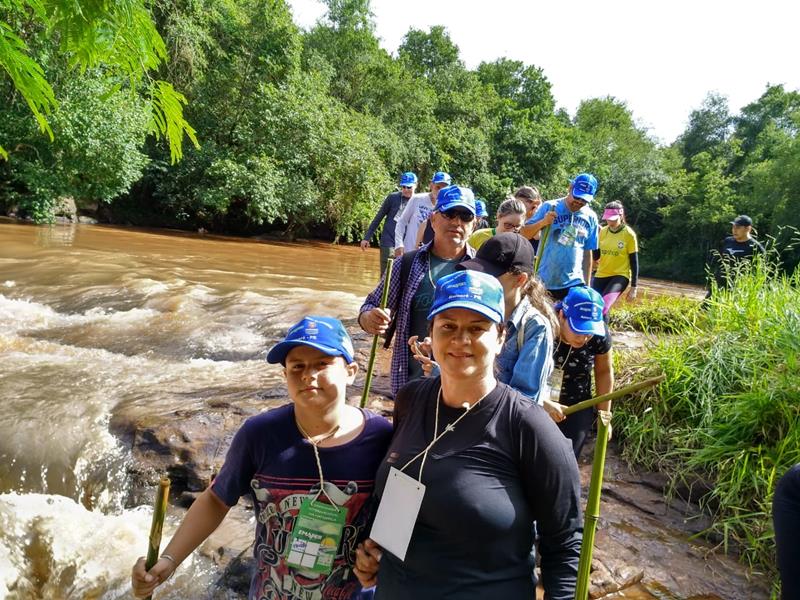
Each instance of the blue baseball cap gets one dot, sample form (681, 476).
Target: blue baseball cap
(583, 310)
(584, 187)
(453, 197)
(440, 177)
(472, 290)
(480, 208)
(323, 333)
(408, 178)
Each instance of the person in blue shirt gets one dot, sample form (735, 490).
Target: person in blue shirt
(392, 206)
(566, 257)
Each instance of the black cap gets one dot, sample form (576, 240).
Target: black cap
(742, 221)
(499, 254)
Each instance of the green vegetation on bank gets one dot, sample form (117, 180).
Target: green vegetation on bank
(304, 132)
(728, 415)
(655, 314)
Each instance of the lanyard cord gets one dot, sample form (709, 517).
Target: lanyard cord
(328, 435)
(566, 358)
(437, 436)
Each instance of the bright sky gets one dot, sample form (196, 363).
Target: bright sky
(660, 56)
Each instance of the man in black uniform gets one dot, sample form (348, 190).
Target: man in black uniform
(734, 249)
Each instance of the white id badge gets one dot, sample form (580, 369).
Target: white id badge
(397, 513)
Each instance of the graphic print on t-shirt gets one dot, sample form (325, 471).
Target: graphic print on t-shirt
(278, 503)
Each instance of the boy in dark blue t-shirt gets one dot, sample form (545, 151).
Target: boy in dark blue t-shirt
(315, 450)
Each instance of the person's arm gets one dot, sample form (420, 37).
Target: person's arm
(403, 219)
(551, 483)
(202, 519)
(421, 233)
(634, 258)
(587, 266)
(604, 377)
(372, 318)
(596, 254)
(533, 365)
(382, 212)
(543, 217)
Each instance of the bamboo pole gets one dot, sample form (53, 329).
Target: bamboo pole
(540, 250)
(623, 391)
(592, 506)
(157, 526)
(596, 485)
(387, 278)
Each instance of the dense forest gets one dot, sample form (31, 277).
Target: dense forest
(304, 132)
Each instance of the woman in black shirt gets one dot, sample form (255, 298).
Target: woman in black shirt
(498, 464)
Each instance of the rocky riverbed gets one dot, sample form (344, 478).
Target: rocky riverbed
(645, 546)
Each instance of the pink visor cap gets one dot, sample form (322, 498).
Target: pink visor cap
(612, 213)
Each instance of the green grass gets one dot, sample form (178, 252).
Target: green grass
(728, 413)
(656, 314)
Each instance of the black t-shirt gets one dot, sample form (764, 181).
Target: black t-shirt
(504, 466)
(578, 364)
(730, 253)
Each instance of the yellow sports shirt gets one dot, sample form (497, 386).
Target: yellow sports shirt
(477, 239)
(614, 251)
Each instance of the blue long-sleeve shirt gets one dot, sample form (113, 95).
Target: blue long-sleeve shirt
(392, 205)
(527, 368)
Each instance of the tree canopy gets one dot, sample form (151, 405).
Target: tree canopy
(304, 132)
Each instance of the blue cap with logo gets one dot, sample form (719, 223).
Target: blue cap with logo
(455, 197)
(440, 177)
(480, 208)
(408, 179)
(472, 290)
(584, 187)
(583, 310)
(323, 333)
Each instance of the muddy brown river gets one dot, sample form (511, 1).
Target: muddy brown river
(96, 321)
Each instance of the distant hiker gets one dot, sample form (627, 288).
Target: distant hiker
(734, 251)
(510, 217)
(584, 345)
(567, 256)
(532, 199)
(413, 281)
(617, 258)
(415, 215)
(315, 454)
(481, 213)
(392, 206)
(786, 517)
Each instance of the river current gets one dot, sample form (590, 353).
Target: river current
(97, 320)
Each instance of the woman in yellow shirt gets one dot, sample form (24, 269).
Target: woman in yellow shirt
(510, 218)
(617, 258)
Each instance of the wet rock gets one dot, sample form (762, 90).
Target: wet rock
(66, 209)
(87, 220)
(648, 547)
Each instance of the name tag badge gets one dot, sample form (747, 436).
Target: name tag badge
(568, 235)
(397, 513)
(315, 537)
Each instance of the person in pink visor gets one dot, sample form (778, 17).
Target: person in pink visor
(617, 257)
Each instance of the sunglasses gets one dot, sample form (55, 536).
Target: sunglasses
(407, 187)
(454, 213)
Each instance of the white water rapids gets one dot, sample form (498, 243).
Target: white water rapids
(96, 320)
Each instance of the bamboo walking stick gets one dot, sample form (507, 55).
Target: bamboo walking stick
(596, 486)
(540, 250)
(371, 364)
(157, 526)
(623, 391)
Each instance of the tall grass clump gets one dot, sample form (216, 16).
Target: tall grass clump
(655, 314)
(728, 414)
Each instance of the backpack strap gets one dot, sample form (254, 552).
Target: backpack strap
(405, 271)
